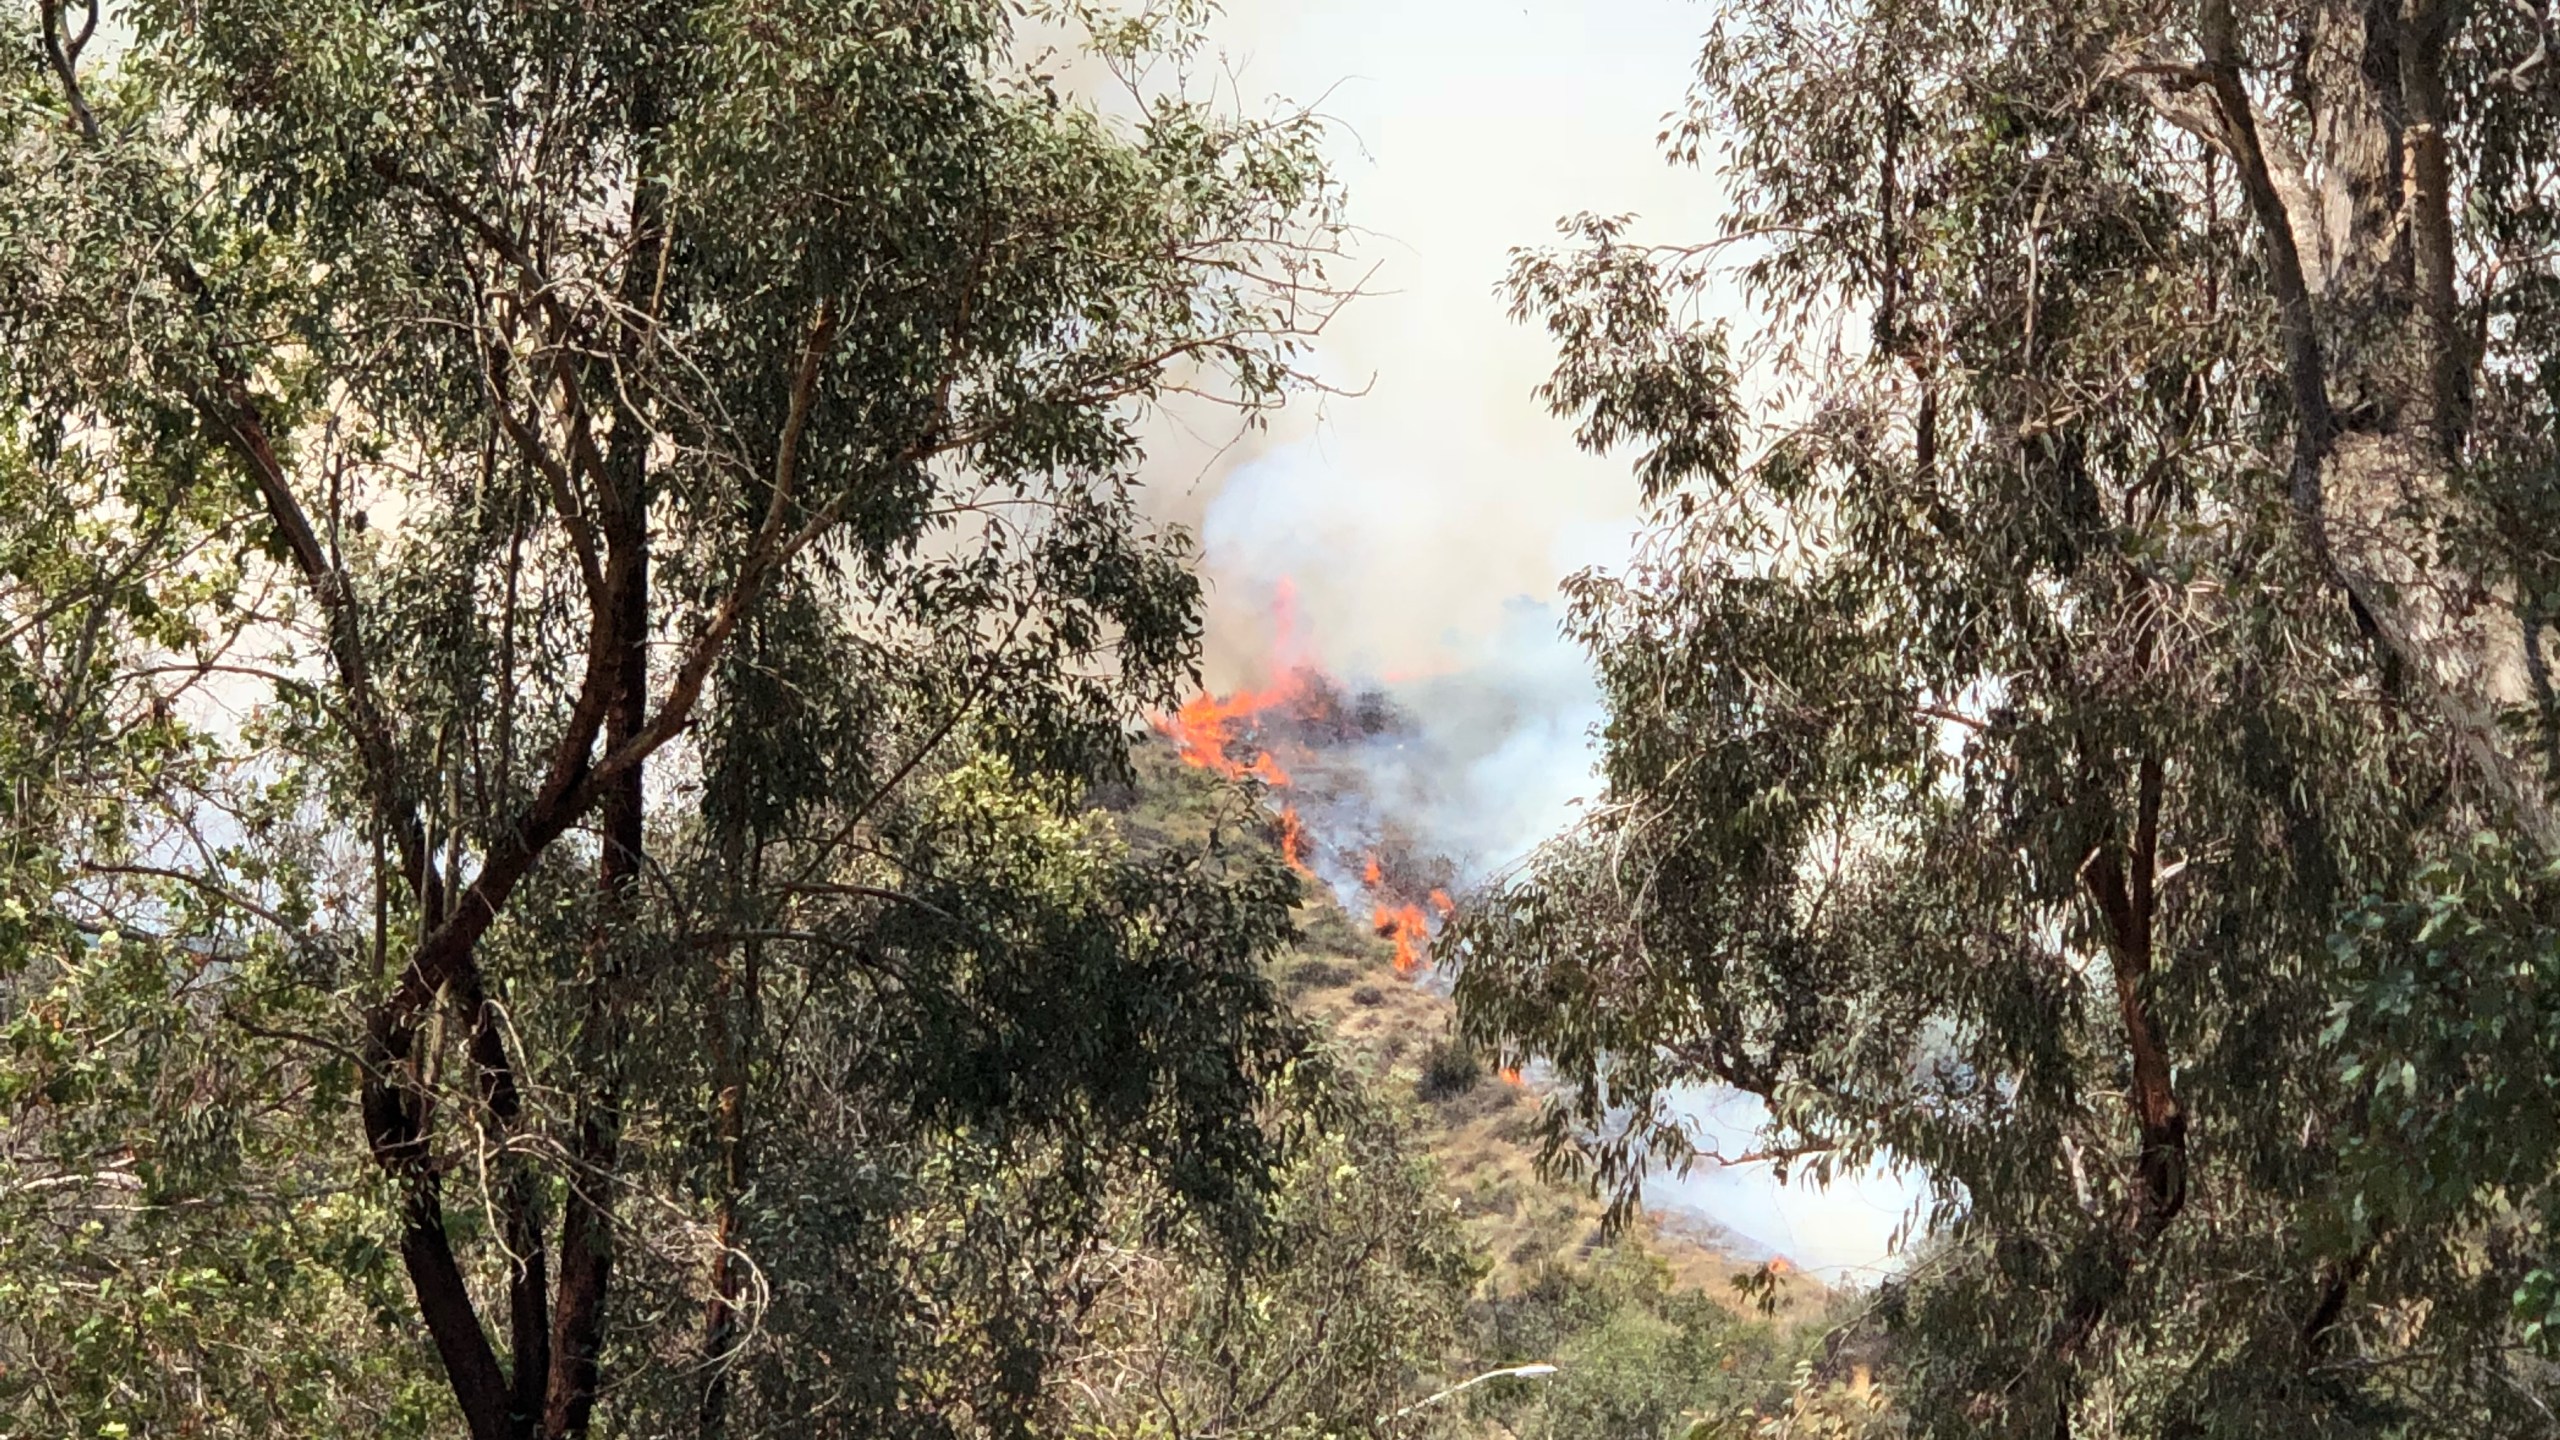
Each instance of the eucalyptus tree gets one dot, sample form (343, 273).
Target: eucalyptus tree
(662, 485)
(2118, 568)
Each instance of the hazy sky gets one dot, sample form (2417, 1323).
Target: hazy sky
(1410, 514)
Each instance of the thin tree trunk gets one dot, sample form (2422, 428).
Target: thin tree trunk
(587, 1225)
(587, 1237)
(733, 988)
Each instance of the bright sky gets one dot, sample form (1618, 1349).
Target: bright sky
(1414, 511)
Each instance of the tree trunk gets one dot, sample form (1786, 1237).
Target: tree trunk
(733, 990)
(2359, 239)
(586, 1232)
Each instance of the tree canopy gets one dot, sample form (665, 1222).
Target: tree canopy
(571, 576)
(2079, 727)
(568, 573)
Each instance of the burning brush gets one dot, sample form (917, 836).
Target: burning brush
(1302, 738)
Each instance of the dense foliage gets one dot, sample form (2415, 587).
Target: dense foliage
(568, 577)
(1638, 1357)
(2084, 633)
(567, 573)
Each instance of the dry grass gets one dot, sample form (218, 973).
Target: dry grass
(1483, 1136)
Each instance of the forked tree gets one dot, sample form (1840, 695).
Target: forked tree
(633, 556)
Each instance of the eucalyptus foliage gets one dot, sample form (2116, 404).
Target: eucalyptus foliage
(568, 570)
(2085, 619)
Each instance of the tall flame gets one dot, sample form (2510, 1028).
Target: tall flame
(1293, 839)
(1213, 731)
(1404, 925)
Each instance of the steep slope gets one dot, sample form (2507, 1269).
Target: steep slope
(1478, 1126)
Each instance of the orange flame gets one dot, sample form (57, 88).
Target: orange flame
(1510, 1074)
(1293, 839)
(1404, 925)
(1207, 727)
(1204, 726)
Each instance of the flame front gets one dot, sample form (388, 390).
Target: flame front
(1207, 724)
(1404, 925)
(1230, 735)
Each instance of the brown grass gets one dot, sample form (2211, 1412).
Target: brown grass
(1484, 1138)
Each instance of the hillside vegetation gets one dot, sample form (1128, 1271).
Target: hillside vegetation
(575, 582)
(1651, 1332)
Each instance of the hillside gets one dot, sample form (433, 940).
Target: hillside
(1477, 1125)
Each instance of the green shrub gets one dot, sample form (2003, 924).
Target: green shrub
(1450, 1068)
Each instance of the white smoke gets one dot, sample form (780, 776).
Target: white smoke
(1492, 752)
(1424, 522)
(1311, 564)
(1840, 1232)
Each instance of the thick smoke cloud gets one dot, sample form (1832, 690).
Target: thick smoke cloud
(1461, 130)
(1497, 706)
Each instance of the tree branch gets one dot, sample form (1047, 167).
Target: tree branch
(234, 414)
(62, 52)
(2305, 371)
